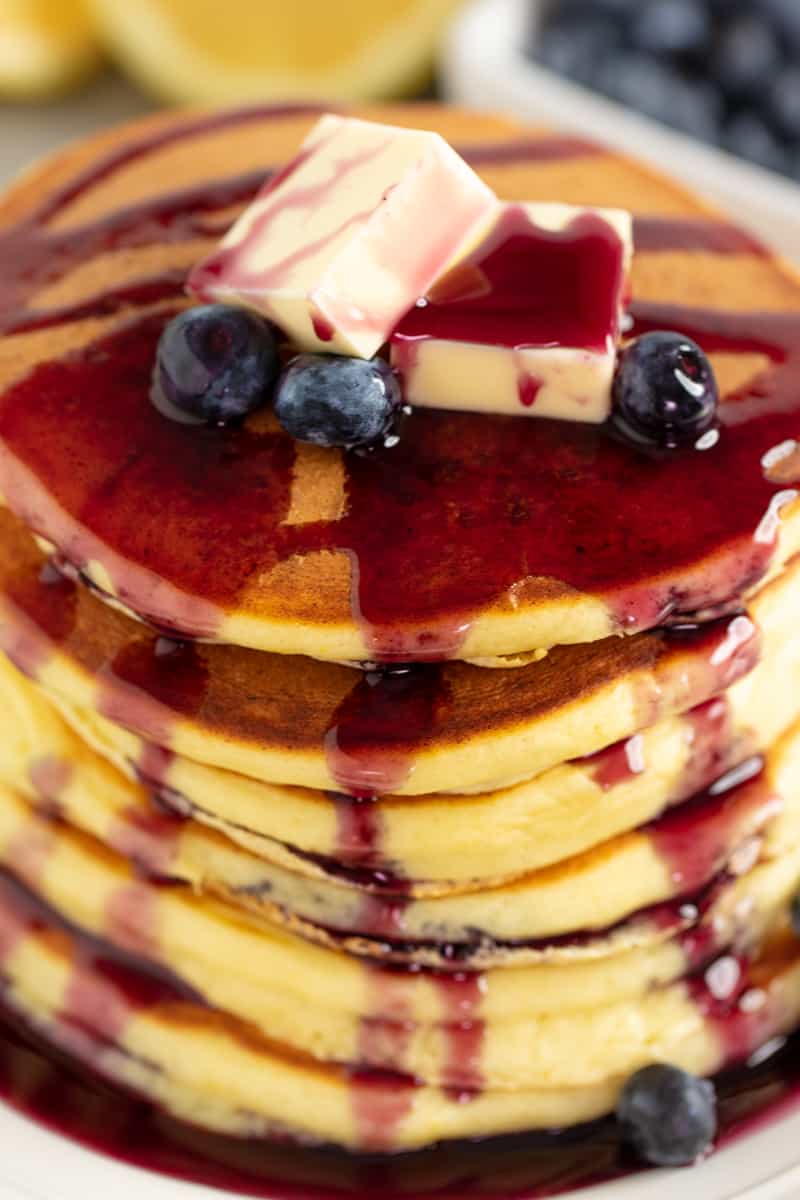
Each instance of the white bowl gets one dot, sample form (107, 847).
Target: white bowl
(484, 66)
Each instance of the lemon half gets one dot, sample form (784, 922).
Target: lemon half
(222, 51)
(45, 46)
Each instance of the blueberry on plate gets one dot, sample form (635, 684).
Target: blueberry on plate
(215, 364)
(665, 391)
(668, 1116)
(333, 401)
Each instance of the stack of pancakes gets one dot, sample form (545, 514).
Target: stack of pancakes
(279, 886)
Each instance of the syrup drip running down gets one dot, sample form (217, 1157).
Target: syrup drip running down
(107, 983)
(373, 734)
(528, 286)
(695, 838)
(461, 994)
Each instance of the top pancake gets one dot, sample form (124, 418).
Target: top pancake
(477, 536)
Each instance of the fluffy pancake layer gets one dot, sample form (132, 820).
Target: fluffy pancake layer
(451, 727)
(224, 983)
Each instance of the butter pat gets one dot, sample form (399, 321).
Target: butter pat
(528, 322)
(340, 245)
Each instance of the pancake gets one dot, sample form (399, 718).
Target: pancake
(566, 810)
(437, 727)
(678, 855)
(575, 538)
(95, 891)
(592, 891)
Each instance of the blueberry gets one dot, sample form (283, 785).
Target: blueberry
(747, 53)
(575, 52)
(334, 401)
(782, 103)
(672, 27)
(660, 92)
(668, 1116)
(574, 13)
(214, 364)
(750, 137)
(665, 393)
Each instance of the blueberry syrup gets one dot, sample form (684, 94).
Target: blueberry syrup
(696, 838)
(108, 985)
(359, 830)
(618, 763)
(148, 837)
(654, 235)
(713, 747)
(489, 530)
(529, 388)
(49, 777)
(528, 286)
(383, 916)
(382, 721)
(542, 508)
(154, 762)
(48, 601)
(385, 1033)
(131, 919)
(157, 675)
(461, 995)
(546, 148)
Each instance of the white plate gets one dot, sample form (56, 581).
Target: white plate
(484, 67)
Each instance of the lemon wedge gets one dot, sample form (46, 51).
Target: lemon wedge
(222, 51)
(45, 46)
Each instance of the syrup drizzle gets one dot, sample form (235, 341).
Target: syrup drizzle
(49, 777)
(618, 763)
(653, 235)
(381, 722)
(528, 286)
(461, 995)
(359, 830)
(386, 1031)
(696, 838)
(147, 837)
(158, 677)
